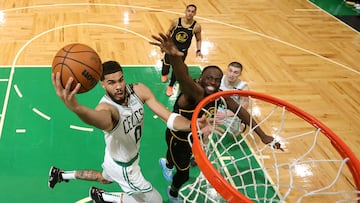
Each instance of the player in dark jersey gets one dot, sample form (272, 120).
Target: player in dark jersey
(192, 92)
(182, 30)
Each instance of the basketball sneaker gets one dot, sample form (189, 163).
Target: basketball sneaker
(192, 162)
(350, 2)
(169, 91)
(55, 176)
(96, 195)
(172, 199)
(164, 78)
(167, 172)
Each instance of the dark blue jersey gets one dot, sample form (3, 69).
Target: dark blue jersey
(182, 36)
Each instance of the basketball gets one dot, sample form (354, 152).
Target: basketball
(80, 62)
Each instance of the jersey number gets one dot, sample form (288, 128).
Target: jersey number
(137, 133)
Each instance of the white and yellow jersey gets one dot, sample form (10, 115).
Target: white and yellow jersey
(241, 85)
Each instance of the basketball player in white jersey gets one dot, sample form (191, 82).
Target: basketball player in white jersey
(231, 81)
(120, 115)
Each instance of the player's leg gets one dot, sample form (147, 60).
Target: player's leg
(181, 153)
(129, 177)
(165, 68)
(151, 197)
(166, 163)
(57, 175)
(169, 90)
(100, 196)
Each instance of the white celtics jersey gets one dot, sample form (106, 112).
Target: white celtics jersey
(123, 142)
(239, 86)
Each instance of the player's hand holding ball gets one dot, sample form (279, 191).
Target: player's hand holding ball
(80, 62)
(76, 68)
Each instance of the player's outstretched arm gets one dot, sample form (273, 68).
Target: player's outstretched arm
(188, 86)
(245, 116)
(173, 121)
(102, 117)
(197, 31)
(165, 43)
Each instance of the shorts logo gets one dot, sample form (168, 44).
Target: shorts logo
(211, 113)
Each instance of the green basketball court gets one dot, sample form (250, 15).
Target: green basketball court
(38, 132)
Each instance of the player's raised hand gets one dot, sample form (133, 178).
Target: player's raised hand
(65, 94)
(199, 54)
(166, 44)
(269, 140)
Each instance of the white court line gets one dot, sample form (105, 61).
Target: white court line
(81, 128)
(4, 80)
(18, 91)
(40, 6)
(88, 199)
(41, 114)
(205, 19)
(85, 200)
(116, 27)
(38, 36)
(222, 163)
(48, 66)
(225, 158)
(332, 16)
(307, 9)
(20, 131)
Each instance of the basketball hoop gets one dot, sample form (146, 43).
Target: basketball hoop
(243, 169)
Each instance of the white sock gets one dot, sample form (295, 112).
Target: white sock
(68, 175)
(108, 197)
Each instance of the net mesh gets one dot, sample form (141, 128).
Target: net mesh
(310, 169)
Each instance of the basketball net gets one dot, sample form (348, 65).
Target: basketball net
(315, 166)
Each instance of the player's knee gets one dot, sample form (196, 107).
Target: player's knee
(103, 181)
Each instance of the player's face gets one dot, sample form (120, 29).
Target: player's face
(210, 80)
(114, 85)
(233, 73)
(190, 12)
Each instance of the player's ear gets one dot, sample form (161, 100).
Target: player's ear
(102, 84)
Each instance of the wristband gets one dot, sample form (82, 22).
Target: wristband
(170, 121)
(197, 51)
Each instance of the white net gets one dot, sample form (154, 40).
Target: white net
(309, 169)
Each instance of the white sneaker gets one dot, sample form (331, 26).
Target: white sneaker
(171, 198)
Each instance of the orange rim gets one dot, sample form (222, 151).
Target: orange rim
(228, 192)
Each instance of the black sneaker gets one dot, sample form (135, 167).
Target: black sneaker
(193, 162)
(55, 176)
(96, 195)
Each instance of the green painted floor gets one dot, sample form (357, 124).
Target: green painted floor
(341, 10)
(31, 142)
(336, 7)
(25, 158)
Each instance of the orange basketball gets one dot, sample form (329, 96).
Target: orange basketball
(80, 62)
